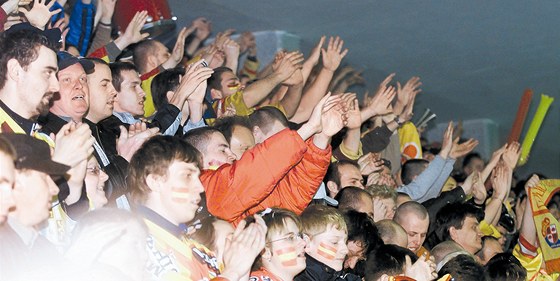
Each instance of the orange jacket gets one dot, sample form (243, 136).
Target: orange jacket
(283, 171)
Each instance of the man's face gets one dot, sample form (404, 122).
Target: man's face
(131, 97)
(161, 53)
(37, 84)
(476, 164)
(468, 236)
(217, 152)
(350, 176)
(7, 174)
(329, 247)
(180, 192)
(490, 249)
(73, 100)
(366, 206)
(241, 140)
(416, 230)
(230, 84)
(102, 93)
(33, 192)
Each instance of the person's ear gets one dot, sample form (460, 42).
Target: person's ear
(333, 188)
(266, 254)
(453, 233)
(215, 94)
(154, 182)
(169, 95)
(14, 69)
(257, 133)
(384, 277)
(152, 61)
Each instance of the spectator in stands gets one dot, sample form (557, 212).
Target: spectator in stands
(341, 174)
(392, 233)
(414, 218)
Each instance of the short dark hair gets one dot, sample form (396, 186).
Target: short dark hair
(350, 197)
(505, 267)
(165, 81)
(23, 46)
(215, 81)
(227, 124)
(387, 259)
(361, 228)
(117, 68)
(463, 267)
(140, 53)
(98, 61)
(470, 157)
(154, 157)
(453, 215)
(199, 137)
(264, 118)
(333, 172)
(412, 168)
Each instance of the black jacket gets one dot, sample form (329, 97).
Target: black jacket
(317, 271)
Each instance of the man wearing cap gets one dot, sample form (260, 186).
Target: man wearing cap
(28, 83)
(21, 246)
(71, 102)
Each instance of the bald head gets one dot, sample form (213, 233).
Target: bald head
(414, 218)
(410, 208)
(392, 233)
(445, 251)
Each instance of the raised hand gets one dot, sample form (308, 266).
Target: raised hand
(423, 269)
(10, 6)
(459, 150)
(478, 189)
(39, 15)
(500, 181)
(178, 49)
(379, 210)
(334, 117)
(315, 54)
(107, 10)
(247, 42)
(203, 28)
(410, 88)
(447, 142)
(287, 65)
(370, 163)
(130, 140)
(73, 144)
(350, 102)
(314, 124)
(334, 54)
(194, 76)
(244, 247)
(380, 103)
(511, 154)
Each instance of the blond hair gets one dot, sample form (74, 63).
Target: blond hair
(316, 218)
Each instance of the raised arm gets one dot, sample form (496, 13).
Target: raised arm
(331, 57)
(257, 91)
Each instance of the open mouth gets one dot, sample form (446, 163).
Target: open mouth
(80, 97)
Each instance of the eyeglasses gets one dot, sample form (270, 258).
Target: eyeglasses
(93, 170)
(292, 237)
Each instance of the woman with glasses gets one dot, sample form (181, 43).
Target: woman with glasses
(284, 254)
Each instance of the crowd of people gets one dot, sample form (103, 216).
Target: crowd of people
(121, 159)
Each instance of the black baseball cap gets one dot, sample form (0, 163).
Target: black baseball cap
(53, 35)
(66, 59)
(34, 154)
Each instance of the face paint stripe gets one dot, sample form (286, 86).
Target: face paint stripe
(327, 251)
(287, 256)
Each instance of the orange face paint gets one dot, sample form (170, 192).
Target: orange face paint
(287, 256)
(326, 251)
